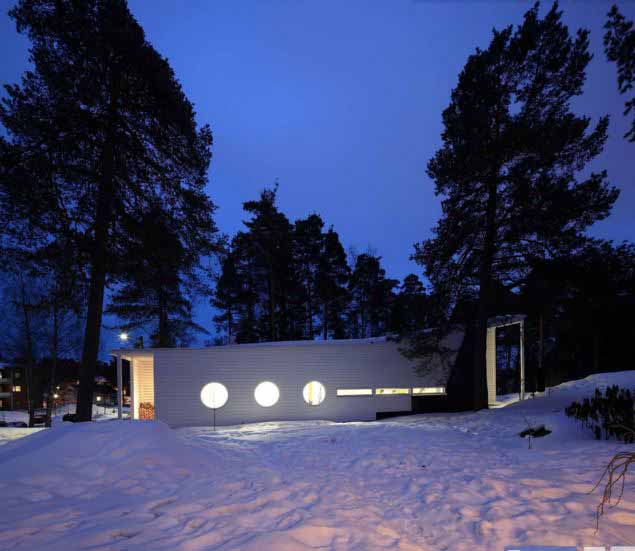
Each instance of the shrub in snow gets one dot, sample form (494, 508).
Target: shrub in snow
(535, 432)
(609, 414)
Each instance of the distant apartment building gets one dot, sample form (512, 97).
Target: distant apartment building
(12, 387)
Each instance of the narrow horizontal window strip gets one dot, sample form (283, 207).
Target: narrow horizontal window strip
(354, 391)
(391, 391)
(428, 391)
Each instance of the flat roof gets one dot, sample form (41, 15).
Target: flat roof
(148, 351)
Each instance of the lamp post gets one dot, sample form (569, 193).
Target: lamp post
(123, 337)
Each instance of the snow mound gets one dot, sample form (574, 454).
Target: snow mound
(462, 481)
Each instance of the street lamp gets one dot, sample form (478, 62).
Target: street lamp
(54, 408)
(123, 337)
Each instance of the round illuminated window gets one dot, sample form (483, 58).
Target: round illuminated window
(214, 395)
(266, 394)
(314, 393)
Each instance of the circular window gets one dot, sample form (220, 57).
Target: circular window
(314, 393)
(266, 394)
(214, 395)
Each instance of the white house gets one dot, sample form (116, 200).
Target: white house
(339, 380)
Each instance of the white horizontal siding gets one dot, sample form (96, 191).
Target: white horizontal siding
(181, 373)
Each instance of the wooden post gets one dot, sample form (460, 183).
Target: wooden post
(522, 360)
(133, 408)
(119, 388)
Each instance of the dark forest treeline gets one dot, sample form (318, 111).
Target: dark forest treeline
(287, 281)
(100, 138)
(577, 309)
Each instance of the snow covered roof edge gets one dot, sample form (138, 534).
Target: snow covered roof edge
(332, 342)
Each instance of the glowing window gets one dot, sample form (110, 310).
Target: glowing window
(214, 395)
(266, 394)
(428, 391)
(17, 388)
(354, 391)
(314, 393)
(392, 391)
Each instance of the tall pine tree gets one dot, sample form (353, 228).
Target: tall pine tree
(280, 281)
(510, 167)
(99, 130)
(227, 296)
(268, 241)
(371, 297)
(308, 245)
(158, 285)
(332, 287)
(409, 307)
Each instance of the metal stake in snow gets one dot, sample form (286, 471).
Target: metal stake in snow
(214, 396)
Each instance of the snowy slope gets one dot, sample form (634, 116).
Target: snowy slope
(427, 482)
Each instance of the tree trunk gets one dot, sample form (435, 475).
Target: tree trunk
(596, 353)
(98, 267)
(272, 307)
(325, 328)
(541, 354)
(484, 300)
(95, 296)
(28, 352)
(163, 337)
(310, 314)
(55, 345)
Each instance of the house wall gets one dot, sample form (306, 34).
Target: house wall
(180, 374)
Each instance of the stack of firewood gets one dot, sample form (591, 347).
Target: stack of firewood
(146, 410)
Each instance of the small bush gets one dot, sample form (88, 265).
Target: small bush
(610, 414)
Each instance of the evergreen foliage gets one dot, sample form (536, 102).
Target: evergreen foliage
(611, 414)
(580, 312)
(159, 276)
(510, 169)
(372, 297)
(619, 47)
(332, 286)
(282, 281)
(410, 311)
(99, 131)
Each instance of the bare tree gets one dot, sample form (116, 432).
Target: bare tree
(615, 475)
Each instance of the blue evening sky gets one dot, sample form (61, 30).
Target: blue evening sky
(341, 103)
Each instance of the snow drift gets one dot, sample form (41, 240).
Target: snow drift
(426, 482)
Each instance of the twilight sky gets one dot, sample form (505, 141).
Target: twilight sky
(341, 102)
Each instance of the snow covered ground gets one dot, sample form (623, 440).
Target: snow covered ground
(7, 434)
(428, 482)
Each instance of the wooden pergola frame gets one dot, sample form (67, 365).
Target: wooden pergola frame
(492, 325)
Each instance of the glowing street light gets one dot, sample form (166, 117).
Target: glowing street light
(123, 337)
